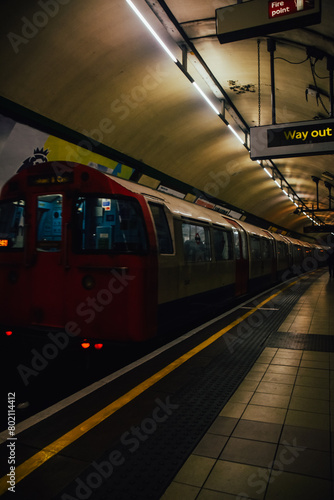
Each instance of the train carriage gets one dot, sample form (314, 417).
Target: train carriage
(86, 262)
(102, 258)
(197, 254)
(261, 256)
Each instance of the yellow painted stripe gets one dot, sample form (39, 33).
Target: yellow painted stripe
(57, 446)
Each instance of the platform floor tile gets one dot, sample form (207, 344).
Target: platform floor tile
(272, 440)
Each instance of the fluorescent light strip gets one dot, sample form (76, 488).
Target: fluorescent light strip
(237, 136)
(164, 46)
(278, 184)
(171, 55)
(206, 98)
(149, 27)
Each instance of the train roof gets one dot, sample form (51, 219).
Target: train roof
(186, 209)
(177, 206)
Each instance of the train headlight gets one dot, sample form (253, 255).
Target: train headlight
(88, 282)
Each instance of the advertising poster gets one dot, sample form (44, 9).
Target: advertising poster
(21, 145)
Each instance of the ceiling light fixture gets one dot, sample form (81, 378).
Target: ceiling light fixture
(235, 133)
(171, 55)
(151, 30)
(206, 98)
(213, 87)
(328, 176)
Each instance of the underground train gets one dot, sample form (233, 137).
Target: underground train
(101, 258)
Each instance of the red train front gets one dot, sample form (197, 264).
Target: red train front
(78, 255)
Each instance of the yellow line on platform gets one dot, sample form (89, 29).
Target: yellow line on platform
(70, 437)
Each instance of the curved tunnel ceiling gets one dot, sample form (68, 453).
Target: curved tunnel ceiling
(95, 68)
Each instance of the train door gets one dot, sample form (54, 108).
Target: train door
(46, 261)
(13, 289)
(197, 257)
(270, 249)
(273, 254)
(241, 257)
(168, 272)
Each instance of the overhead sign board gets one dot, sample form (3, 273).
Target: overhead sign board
(262, 17)
(314, 137)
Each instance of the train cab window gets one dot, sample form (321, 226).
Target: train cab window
(196, 243)
(49, 222)
(165, 244)
(12, 225)
(109, 225)
(223, 244)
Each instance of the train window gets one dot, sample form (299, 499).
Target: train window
(196, 243)
(236, 243)
(255, 247)
(282, 249)
(297, 253)
(49, 222)
(12, 224)
(165, 244)
(266, 248)
(244, 244)
(109, 224)
(223, 244)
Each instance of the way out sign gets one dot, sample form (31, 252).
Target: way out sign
(315, 137)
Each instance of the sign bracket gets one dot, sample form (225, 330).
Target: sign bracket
(271, 47)
(330, 67)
